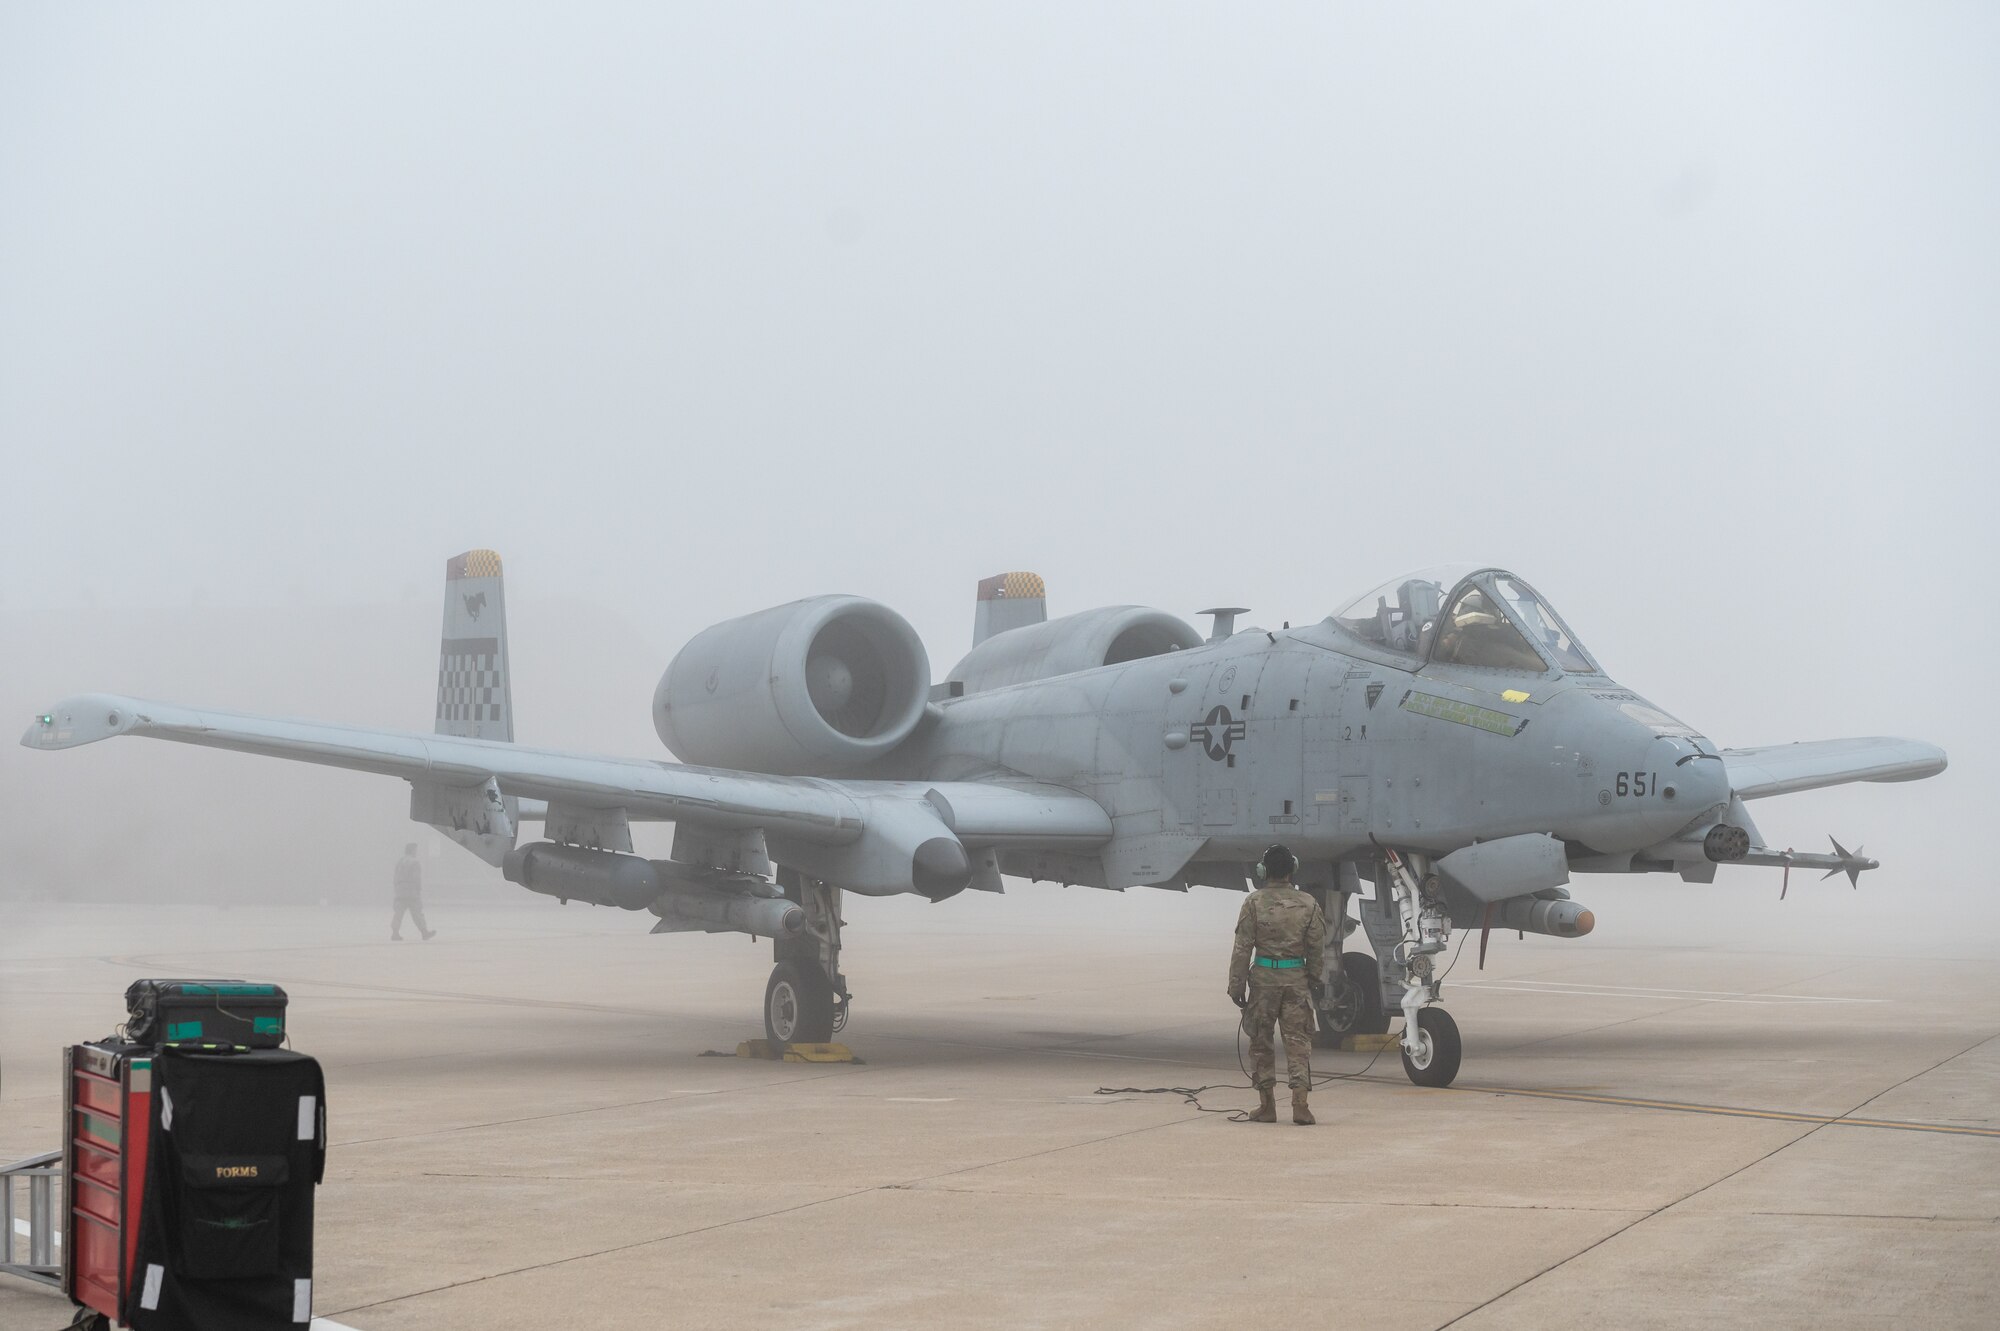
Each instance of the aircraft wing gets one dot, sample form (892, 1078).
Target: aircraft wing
(1782, 769)
(845, 816)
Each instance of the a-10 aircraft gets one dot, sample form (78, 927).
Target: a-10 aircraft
(1444, 739)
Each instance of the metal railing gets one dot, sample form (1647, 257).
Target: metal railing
(39, 1224)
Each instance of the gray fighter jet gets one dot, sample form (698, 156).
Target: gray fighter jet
(1445, 740)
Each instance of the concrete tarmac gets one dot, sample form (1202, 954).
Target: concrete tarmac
(526, 1134)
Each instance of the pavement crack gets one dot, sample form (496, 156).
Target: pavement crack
(600, 1252)
(1261, 1200)
(675, 1098)
(1748, 1165)
(1875, 1215)
(904, 1185)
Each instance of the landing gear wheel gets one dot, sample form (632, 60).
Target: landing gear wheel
(1354, 1005)
(1438, 1049)
(798, 1005)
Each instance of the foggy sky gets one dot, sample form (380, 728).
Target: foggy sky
(1686, 314)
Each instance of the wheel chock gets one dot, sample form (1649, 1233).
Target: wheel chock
(820, 1053)
(1369, 1044)
(796, 1053)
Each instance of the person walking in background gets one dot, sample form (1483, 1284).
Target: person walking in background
(409, 895)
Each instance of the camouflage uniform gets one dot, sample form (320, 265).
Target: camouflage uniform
(1280, 922)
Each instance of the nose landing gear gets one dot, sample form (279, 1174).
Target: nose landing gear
(1431, 1046)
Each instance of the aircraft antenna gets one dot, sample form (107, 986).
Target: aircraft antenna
(1225, 620)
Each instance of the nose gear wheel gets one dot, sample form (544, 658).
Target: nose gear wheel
(1435, 1060)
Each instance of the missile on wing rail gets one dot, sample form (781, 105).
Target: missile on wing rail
(605, 878)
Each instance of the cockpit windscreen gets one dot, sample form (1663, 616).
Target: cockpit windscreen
(1493, 620)
(1476, 633)
(1400, 615)
(1533, 616)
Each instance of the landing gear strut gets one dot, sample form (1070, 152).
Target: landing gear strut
(1431, 1046)
(806, 998)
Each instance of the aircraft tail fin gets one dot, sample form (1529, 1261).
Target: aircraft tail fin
(1008, 601)
(475, 700)
(475, 694)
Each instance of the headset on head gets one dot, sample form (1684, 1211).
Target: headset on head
(1266, 871)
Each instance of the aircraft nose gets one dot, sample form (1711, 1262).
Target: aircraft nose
(1692, 776)
(1654, 775)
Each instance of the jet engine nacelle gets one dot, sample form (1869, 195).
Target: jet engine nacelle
(821, 686)
(1083, 641)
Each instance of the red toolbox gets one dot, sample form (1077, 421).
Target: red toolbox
(108, 1113)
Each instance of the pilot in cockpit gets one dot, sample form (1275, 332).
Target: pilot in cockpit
(1494, 622)
(1476, 633)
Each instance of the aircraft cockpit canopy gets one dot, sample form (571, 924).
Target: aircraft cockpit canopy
(1466, 615)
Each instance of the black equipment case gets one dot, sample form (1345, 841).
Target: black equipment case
(225, 1240)
(194, 1014)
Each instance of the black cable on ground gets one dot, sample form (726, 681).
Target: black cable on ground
(1192, 1094)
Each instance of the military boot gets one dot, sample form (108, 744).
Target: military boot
(1300, 1114)
(1267, 1106)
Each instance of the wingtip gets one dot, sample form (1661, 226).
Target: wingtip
(84, 719)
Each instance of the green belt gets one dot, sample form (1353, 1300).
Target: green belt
(1281, 963)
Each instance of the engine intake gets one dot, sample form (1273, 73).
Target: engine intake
(824, 685)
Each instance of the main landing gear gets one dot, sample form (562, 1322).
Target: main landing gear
(1407, 928)
(1353, 1002)
(806, 998)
